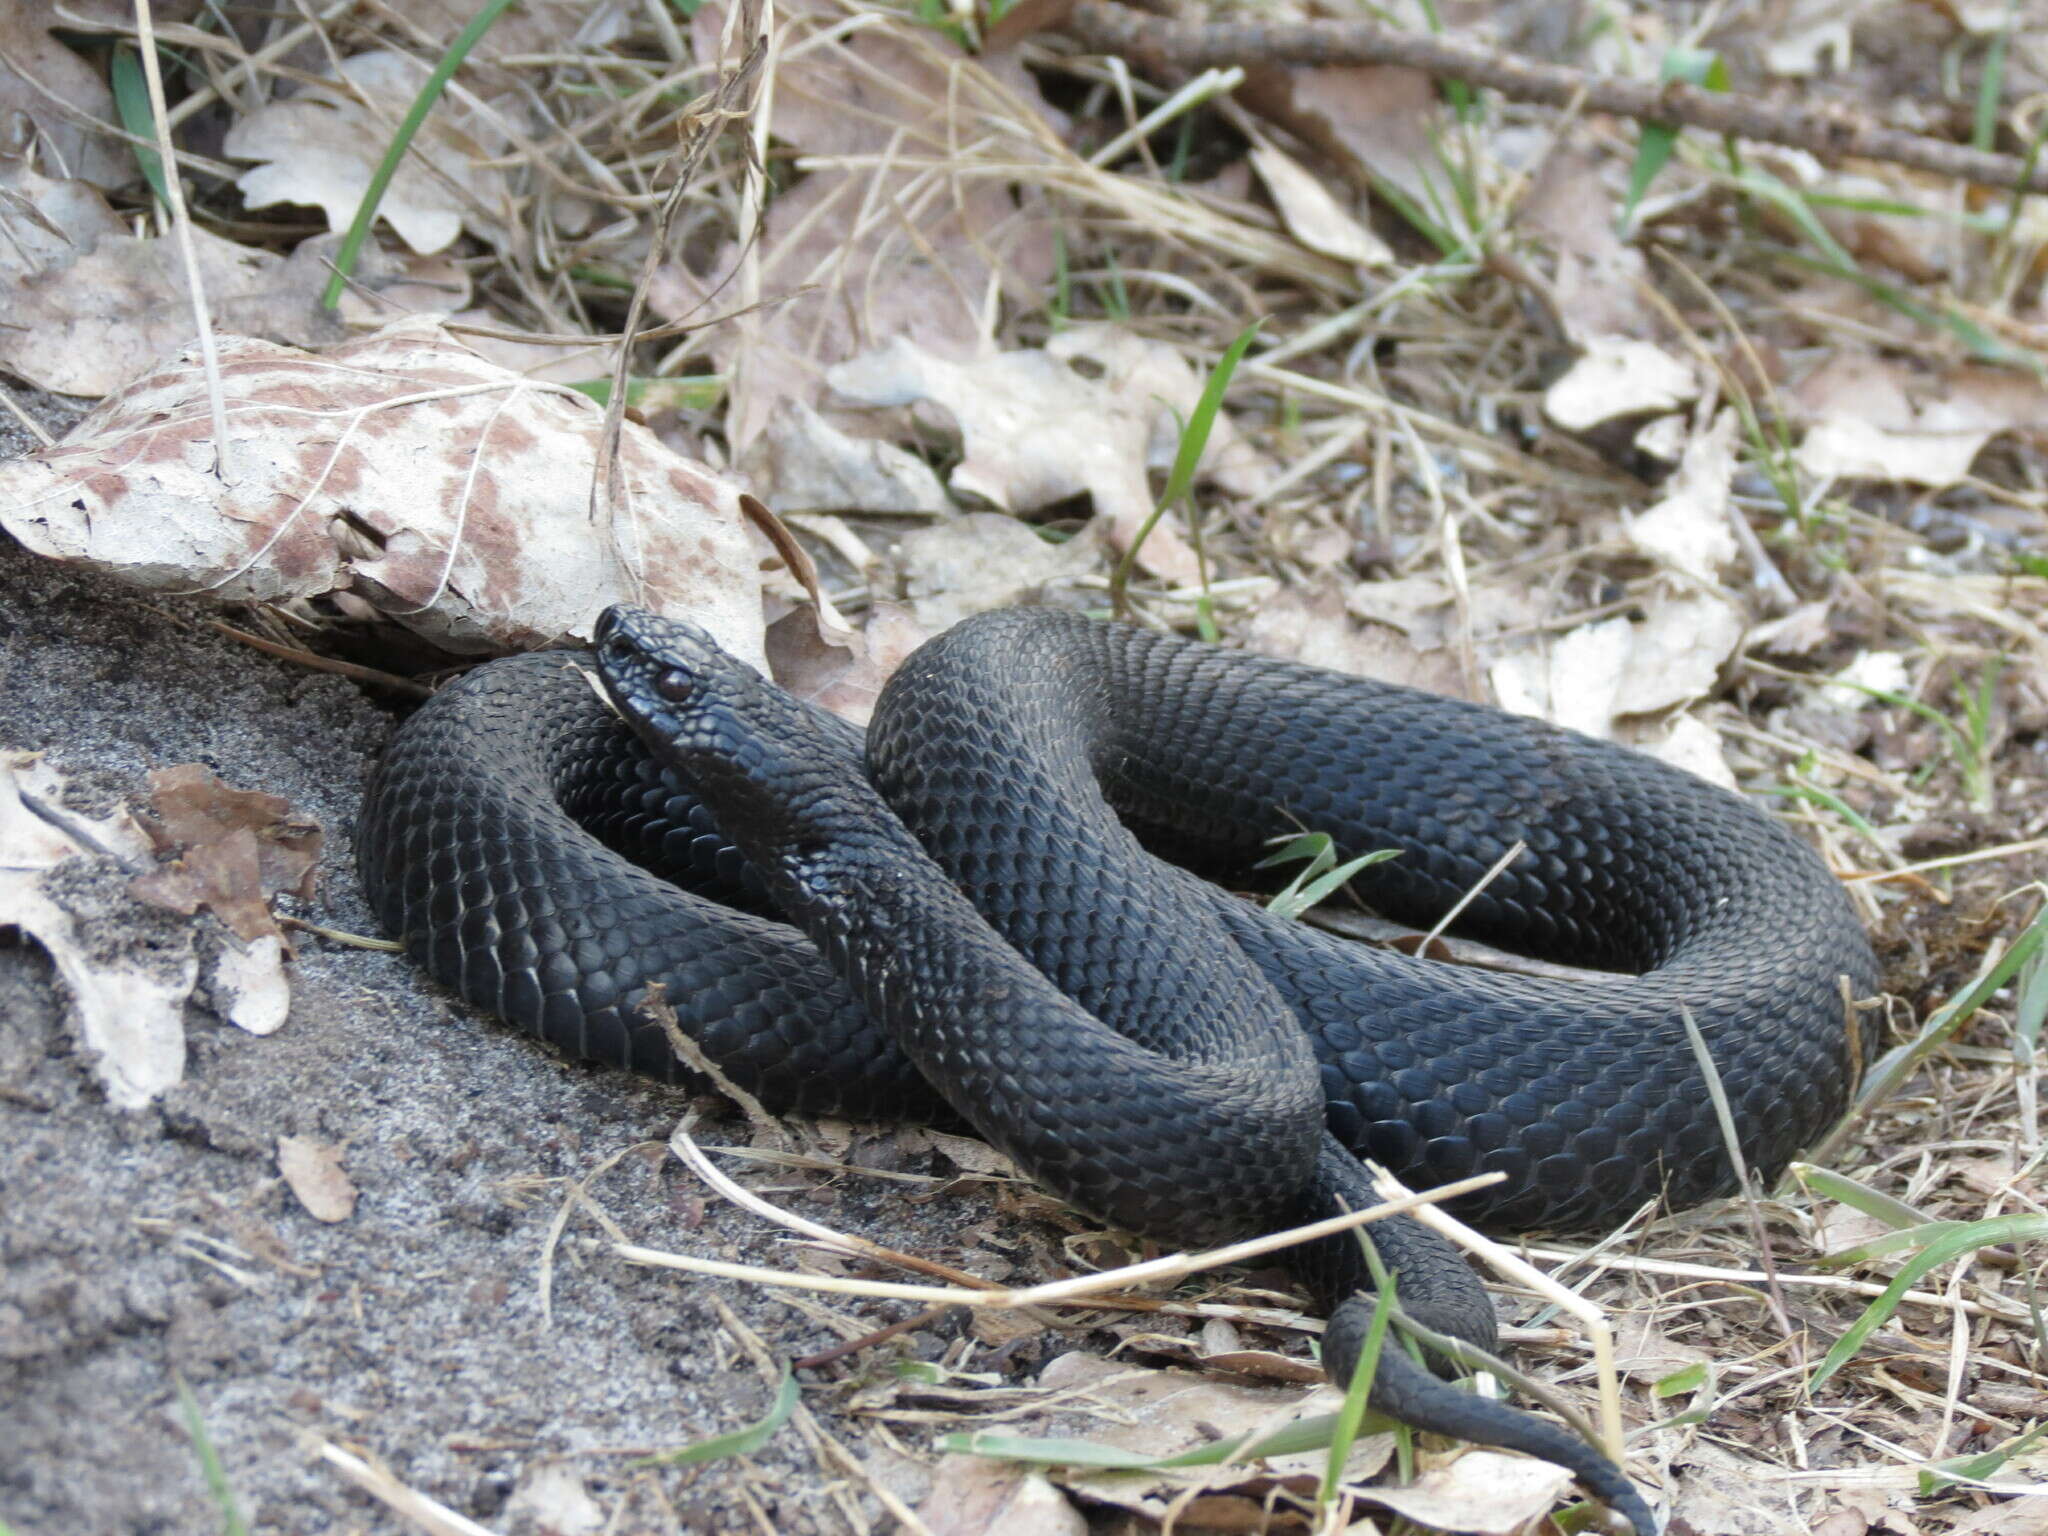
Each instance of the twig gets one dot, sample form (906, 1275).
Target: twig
(1827, 130)
(318, 663)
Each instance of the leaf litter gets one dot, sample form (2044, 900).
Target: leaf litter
(1743, 468)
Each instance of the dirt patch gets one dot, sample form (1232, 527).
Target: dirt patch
(140, 1249)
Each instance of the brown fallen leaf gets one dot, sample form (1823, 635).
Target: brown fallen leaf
(403, 469)
(803, 463)
(129, 1004)
(897, 222)
(1034, 431)
(1312, 626)
(844, 677)
(983, 560)
(1312, 213)
(1618, 376)
(312, 1171)
(1873, 418)
(91, 307)
(1689, 531)
(1162, 1413)
(976, 1496)
(1486, 1493)
(59, 94)
(1596, 277)
(321, 147)
(532, 26)
(233, 850)
(1375, 121)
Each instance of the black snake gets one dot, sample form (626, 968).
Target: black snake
(1146, 1062)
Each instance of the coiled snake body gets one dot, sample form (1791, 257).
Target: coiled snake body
(539, 857)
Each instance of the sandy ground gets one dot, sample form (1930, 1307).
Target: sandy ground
(140, 1248)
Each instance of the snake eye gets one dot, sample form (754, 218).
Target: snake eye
(673, 686)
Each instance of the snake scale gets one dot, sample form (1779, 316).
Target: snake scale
(985, 929)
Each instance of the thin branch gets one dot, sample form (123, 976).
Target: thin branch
(1829, 131)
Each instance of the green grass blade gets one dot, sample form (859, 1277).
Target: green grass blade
(1951, 1245)
(697, 392)
(738, 1442)
(231, 1523)
(1980, 343)
(1813, 794)
(1194, 438)
(1194, 441)
(131, 102)
(1990, 89)
(1894, 1066)
(394, 154)
(1317, 849)
(1942, 1474)
(1351, 1415)
(1857, 1196)
(2032, 1004)
(1890, 1243)
(1694, 67)
(1302, 897)
(1311, 1434)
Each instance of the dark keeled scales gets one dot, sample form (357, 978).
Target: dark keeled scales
(990, 743)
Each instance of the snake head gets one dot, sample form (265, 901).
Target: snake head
(777, 783)
(654, 666)
(701, 710)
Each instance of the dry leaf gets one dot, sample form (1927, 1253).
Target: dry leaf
(1034, 432)
(803, 463)
(897, 222)
(1876, 419)
(978, 1496)
(551, 1497)
(312, 1170)
(1312, 215)
(1597, 278)
(843, 676)
(1719, 1491)
(60, 94)
(321, 148)
(1161, 383)
(1375, 121)
(402, 468)
(1618, 376)
(92, 307)
(1313, 627)
(1689, 530)
(1590, 677)
(234, 848)
(971, 1155)
(1854, 686)
(1799, 633)
(979, 561)
(1690, 743)
(1487, 1493)
(1162, 1413)
(560, 27)
(129, 1003)
(1421, 607)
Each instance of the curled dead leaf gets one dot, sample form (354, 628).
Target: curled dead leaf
(402, 469)
(234, 849)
